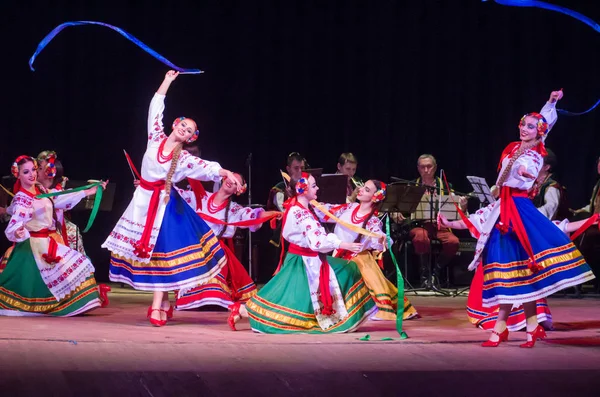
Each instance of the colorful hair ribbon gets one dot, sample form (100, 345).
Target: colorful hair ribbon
(128, 36)
(563, 10)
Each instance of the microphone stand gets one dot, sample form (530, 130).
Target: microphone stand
(249, 164)
(432, 190)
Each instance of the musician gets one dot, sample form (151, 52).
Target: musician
(589, 244)
(347, 164)
(594, 206)
(296, 163)
(421, 236)
(547, 194)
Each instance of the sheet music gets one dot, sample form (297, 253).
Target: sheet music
(481, 189)
(446, 206)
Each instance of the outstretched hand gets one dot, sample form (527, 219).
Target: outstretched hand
(352, 247)
(20, 232)
(556, 96)
(523, 172)
(171, 75)
(443, 221)
(93, 190)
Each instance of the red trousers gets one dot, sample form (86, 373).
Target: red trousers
(421, 239)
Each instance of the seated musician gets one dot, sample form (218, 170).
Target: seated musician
(589, 243)
(547, 194)
(296, 163)
(421, 235)
(347, 164)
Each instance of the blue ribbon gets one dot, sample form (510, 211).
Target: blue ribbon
(128, 36)
(552, 7)
(562, 10)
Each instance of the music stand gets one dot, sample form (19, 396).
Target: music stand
(403, 198)
(332, 188)
(315, 172)
(430, 204)
(481, 190)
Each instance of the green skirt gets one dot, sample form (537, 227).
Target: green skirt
(24, 293)
(284, 305)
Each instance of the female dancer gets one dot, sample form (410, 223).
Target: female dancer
(364, 214)
(526, 258)
(42, 275)
(160, 244)
(233, 283)
(51, 176)
(313, 293)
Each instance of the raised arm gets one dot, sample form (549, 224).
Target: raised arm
(549, 109)
(169, 78)
(157, 107)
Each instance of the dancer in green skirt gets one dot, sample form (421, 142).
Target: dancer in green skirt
(313, 292)
(42, 275)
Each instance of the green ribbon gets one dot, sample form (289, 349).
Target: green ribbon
(400, 284)
(97, 200)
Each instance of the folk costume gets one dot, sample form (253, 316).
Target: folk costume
(43, 276)
(525, 258)
(313, 292)
(383, 292)
(158, 246)
(232, 283)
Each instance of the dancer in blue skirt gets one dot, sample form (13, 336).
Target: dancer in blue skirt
(160, 244)
(525, 256)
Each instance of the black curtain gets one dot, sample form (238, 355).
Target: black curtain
(387, 80)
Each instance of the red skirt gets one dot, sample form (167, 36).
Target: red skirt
(232, 284)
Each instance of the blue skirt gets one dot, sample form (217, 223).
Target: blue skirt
(506, 276)
(186, 254)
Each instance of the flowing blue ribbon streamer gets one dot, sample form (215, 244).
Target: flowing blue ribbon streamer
(128, 36)
(552, 7)
(562, 10)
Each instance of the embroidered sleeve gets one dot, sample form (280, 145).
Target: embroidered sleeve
(313, 233)
(374, 225)
(194, 167)
(155, 115)
(237, 213)
(562, 225)
(188, 196)
(481, 216)
(22, 212)
(68, 201)
(532, 162)
(550, 114)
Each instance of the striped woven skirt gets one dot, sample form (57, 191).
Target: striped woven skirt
(507, 278)
(284, 304)
(186, 254)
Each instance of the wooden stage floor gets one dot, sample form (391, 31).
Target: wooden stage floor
(116, 352)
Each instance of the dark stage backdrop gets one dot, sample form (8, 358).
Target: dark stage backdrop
(387, 80)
